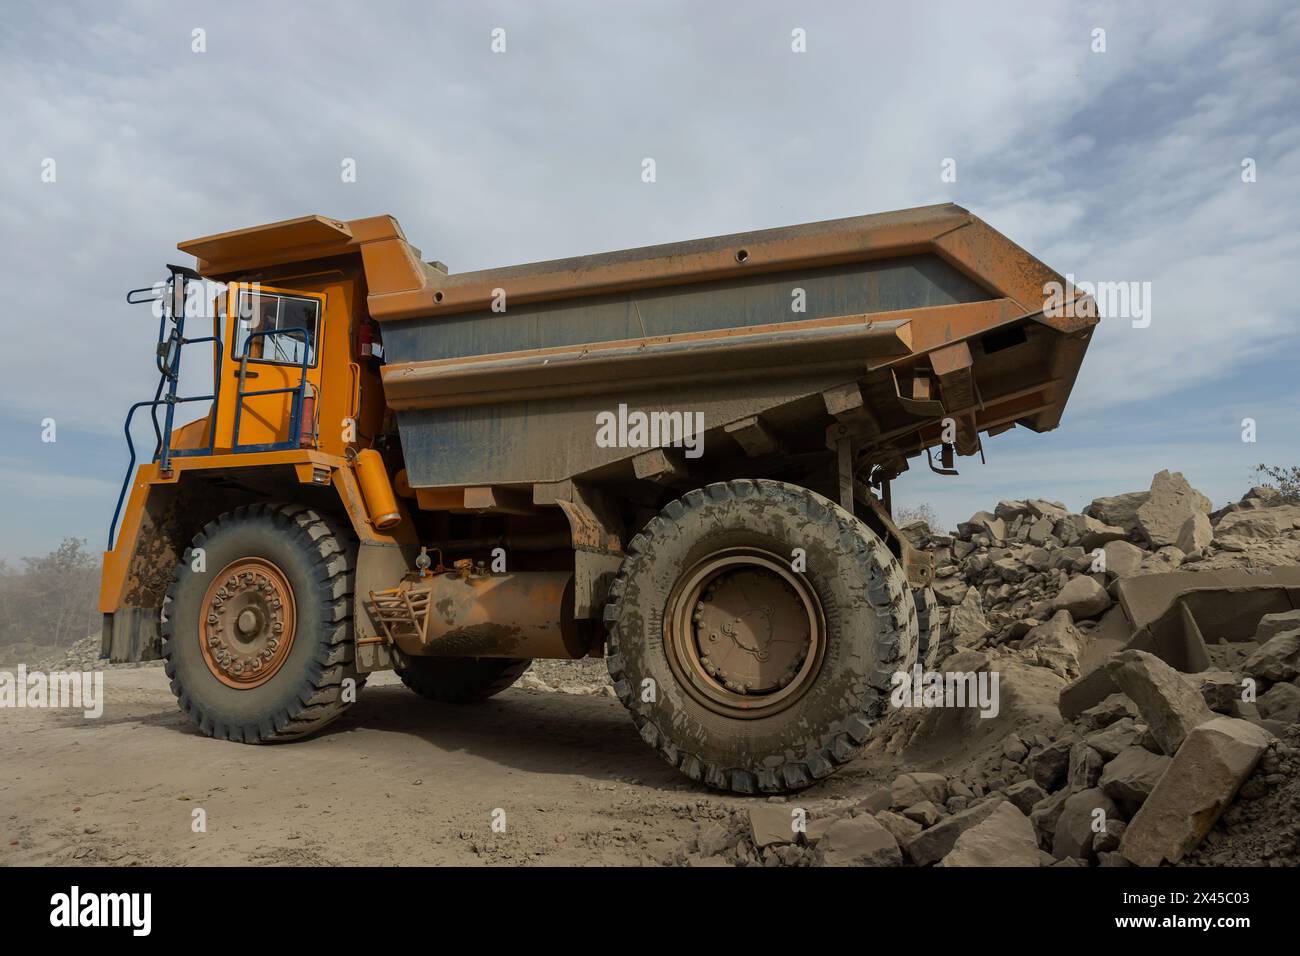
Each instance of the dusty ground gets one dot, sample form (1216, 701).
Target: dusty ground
(396, 781)
(399, 780)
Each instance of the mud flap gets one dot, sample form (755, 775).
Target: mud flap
(131, 634)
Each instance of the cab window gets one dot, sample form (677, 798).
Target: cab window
(267, 312)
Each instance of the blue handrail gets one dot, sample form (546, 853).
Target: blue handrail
(169, 365)
(130, 468)
(168, 362)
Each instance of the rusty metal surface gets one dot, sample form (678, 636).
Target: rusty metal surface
(846, 344)
(806, 246)
(648, 313)
(745, 635)
(458, 614)
(552, 439)
(247, 622)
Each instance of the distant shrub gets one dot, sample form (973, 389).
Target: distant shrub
(922, 512)
(1285, 480)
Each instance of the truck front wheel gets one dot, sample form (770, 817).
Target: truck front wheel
(257, 624)
(754, 627)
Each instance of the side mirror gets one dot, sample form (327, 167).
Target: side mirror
(178, 296)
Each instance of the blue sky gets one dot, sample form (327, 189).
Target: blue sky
(1121, 165)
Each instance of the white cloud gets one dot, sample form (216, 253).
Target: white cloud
(1114, 166)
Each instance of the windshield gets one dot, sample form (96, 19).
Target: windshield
(267, 312)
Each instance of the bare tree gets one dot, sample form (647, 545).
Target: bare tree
(53, 600)
(1285, 480)
(922, 512)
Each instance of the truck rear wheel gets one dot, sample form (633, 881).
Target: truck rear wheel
(753, 630)
(257, 624)
(461, 680)
(928, 627)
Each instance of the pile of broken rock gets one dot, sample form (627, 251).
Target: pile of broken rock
(1007, 571)
(1139, 779)
(1143, 721)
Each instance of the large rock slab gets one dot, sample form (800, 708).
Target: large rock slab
(1055, 645)
(981, 522)
(1085, 767)
(1004, 838)
(1025, 794)
(1048, 767)
(1248, 525)
(930, 846)
(1122, 558)
(1130, 777)
(1282, 703)
(1172, 501)
(1194, 790)
(1044, 816)
(1075, 825)
(1121, 510)
(1171, 705)
(902, 828)
(1113, 740)
(966, 622)
(1101, 715)
(1083, 597)
(1195, 535)
(1277, 659)
(859, 841)
(1221, 690)
(1087, 532)
(1011, 510)
(770, 824)
(1041, 530)
(909, 789)
(1270, 625)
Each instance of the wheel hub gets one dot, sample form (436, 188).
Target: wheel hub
(744, 632)
(247, 623)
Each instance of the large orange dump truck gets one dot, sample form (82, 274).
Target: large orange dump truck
(677, 457)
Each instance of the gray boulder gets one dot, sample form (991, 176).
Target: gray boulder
(858, 841)
(1194, 790)
(1172, 501)
(930, 846)
(1075, 827)
(1277, 659)
(1004, 838)
(1170, 705)
(1120, 510)
(1130, 777)
(1281, 703)
(1083, 597)
(1195, 535)
(909, 789)
(1270, 625)
(966, 622)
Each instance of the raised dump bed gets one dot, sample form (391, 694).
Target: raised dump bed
(498, 376)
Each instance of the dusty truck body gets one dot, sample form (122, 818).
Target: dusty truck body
(677, 457)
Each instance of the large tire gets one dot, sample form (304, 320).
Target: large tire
(801, 728)
(461, 680)
(928, 627)
(261, 692)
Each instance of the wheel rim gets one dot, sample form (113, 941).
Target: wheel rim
(246, 623)
(745, 634)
